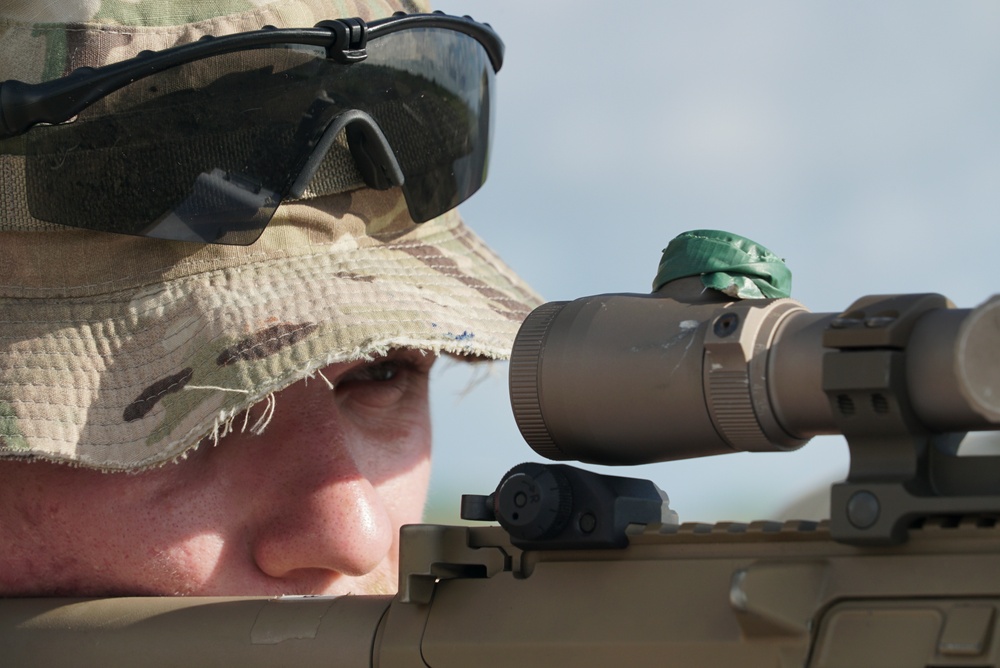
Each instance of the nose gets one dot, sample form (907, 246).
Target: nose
(341, 526)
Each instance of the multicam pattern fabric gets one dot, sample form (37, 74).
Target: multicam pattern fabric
(44, 41)
(122, 353)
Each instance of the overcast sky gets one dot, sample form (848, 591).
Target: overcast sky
(859, 141)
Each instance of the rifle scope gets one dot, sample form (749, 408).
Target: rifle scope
(689, 372)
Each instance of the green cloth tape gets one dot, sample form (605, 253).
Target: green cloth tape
(726, 262)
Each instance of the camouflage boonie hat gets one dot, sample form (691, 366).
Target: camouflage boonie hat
(122, 353)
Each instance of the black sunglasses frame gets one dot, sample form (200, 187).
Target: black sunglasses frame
(227, 207)
(22, 106)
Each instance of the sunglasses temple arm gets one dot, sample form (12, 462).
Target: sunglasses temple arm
(17, 108)
(23, 106)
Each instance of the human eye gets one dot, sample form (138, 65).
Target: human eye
(386, 381)
(380, 372)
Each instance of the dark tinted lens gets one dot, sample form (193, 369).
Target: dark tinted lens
(202, 152)
(433, 103)
(206, 151)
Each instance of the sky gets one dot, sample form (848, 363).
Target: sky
(858, 141)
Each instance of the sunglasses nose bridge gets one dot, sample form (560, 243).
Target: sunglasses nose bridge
(373, 156)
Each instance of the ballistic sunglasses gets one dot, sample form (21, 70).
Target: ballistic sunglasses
(202, 142)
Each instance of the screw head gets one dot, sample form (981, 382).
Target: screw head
(863, 510)
(726, 324)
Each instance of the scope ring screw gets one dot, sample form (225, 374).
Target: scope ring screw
(726, 324)
(587, 523)
(863, 510)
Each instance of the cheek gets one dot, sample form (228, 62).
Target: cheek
(183, 566)
(405, 494)
(394, 454)
(138, 546)
(395, 457)
(96, 536)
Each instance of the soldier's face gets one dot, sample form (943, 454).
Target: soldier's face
(313, 505)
